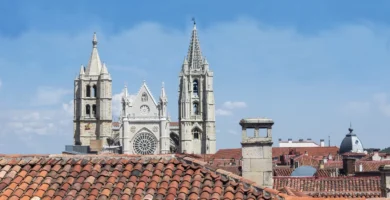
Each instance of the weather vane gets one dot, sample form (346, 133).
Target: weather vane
(193, 19)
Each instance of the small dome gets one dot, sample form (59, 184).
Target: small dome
(351, 143)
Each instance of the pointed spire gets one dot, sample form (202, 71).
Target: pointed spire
(94, 65)
(185, 65)
(125, 92)
(94, 40)
(104, 69)
(82, 70)
(205, 65)
(163, 96)
(194, 55)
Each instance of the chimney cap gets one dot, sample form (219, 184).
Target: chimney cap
(280, 139)
(301, 140)
(322, 140)
(289, 139)
(309, 139)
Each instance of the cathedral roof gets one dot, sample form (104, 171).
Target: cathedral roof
(94, 66)
(144, 86)
(121, 177)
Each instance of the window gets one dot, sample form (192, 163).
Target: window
(94, 110)
(195, 87)
(195, 132)
(196, 108)
(144, 97)
(145, 143)
(88, 91)
(94, 90)
(88, 110)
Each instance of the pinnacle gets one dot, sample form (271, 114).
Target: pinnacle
(94, 40)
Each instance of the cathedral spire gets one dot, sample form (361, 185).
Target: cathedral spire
(125, 92)
(94, 65)
(82, 70)
(163, 96)
(104, 69)
(194, 55)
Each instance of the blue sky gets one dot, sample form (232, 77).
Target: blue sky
(312, 66)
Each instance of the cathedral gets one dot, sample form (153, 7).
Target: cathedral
(145, 126)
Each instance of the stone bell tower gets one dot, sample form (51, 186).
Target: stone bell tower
(92, 101)
(257, 151)
(196, 102)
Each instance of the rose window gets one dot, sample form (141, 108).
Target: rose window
(145, 143)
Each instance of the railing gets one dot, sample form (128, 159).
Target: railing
(196, 117)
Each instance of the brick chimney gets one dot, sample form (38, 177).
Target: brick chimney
(257, 151)
(375, 156)
(349, 166)
(385, 180)
(321, 165)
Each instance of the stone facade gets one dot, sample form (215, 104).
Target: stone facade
(257, 151)
(145, 123)
(92, 101)
(196, 102)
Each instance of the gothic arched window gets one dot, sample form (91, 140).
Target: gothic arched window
(88, 110)
(196, 108)
(196, 87)
(94, 91)
(88, 91)
(144, 97)
(94, 110)
(196, 133)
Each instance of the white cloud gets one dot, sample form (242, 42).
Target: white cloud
(68, 107)
(39, 122)
(222, 112)
(234, 104)
(49, 96)
(356, 107)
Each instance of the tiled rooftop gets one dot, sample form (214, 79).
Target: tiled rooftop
(349, 187)
(279, 151)
(174, 123)
(120, 177)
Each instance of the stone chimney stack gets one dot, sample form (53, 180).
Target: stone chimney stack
(322, 143)
(321, 164)
(349, 166)
(257, 151)
(385, 180)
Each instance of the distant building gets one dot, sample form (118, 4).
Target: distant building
(301, 143)
(351, 143)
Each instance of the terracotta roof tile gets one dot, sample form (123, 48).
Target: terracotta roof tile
(279, 151)
(332, 186)
(119, 177)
